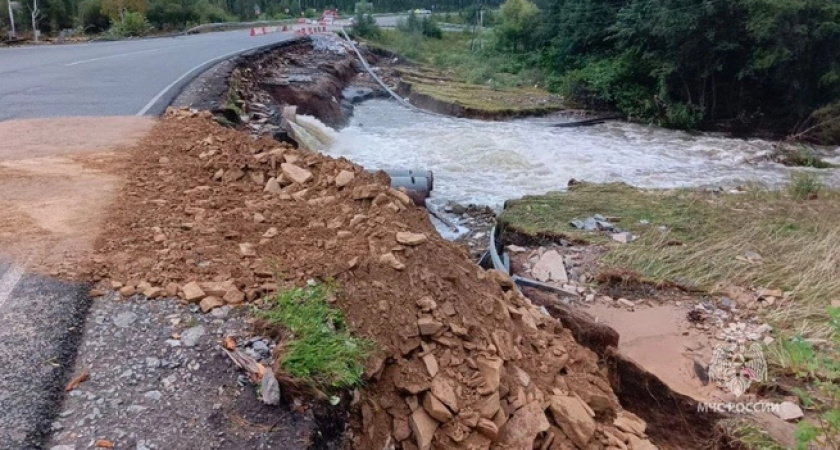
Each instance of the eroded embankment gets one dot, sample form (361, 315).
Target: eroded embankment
(464, 361)
(441, 91)
(424, 344)
(312, 74)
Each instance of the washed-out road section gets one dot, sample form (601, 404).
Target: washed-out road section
(134, 77)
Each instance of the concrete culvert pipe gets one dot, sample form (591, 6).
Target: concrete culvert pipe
(403, 173)
(414, 173)
(416, 187)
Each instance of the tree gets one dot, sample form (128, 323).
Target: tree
(115, 9)
(518, 20)
(35, 14)
(91, 16)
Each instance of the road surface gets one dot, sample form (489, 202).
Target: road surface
(133, 77)
(41, 318)
(40, 323)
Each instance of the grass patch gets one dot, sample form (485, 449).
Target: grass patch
(318, 347)
(486, 98)
(804, 185)
(449, 70)
(749, 436)
(701, 238)
(800, 155)
(233, 99)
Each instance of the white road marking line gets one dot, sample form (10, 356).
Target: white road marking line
(102, 58)
(9, 282)
(160, 94)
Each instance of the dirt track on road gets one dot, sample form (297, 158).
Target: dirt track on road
(56, 183)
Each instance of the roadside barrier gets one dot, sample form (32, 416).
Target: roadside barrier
(300, 29)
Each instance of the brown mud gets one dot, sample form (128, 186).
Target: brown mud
(464, 361)
(648, 336)
(301, 76)
(57, 181)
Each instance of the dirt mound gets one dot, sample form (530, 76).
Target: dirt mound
(464, 362)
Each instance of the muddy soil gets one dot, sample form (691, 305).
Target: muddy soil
(311, 77)
(657, 341)
(464, 361)
(57, 181)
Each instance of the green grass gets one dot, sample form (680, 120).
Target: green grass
(704, 238)
(800, 155)
(749, 436)
(804, 185)
(481, 79)
(318, 347)
(232, 99)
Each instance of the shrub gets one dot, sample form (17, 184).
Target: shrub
(681, 116)
(430, 28)
(425, 26)
(91, 16)
(804, 185)
(366, 26)
(131, 24)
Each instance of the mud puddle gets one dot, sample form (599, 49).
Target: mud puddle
(661, 340)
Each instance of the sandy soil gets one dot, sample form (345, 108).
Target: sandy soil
(660, 339)
(55, 184)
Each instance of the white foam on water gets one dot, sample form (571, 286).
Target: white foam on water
(488, 162)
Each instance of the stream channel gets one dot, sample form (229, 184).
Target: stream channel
(487, 163)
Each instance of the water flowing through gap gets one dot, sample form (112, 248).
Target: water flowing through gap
(489, 162)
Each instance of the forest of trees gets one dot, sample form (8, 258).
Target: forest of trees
(94, 16)
(723, 64)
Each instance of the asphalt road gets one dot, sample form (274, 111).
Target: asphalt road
(111, 78)
(41, 321)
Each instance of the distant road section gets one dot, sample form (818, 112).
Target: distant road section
(135, 77)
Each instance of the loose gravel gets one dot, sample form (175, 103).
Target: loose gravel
(159, 381)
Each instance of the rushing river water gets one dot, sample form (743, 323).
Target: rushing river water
(488, 162)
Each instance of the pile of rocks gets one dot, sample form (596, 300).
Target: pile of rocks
(479, 222)
(601, 223)
(565, 267)
(731, 317)
(463, 359)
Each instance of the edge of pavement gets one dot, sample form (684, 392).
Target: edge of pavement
(49, 315)
(158, 104)
(42, 321)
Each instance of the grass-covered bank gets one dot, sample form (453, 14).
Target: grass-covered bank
(477, 83)
(461, 56)
(783, 243)
(787, 239)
